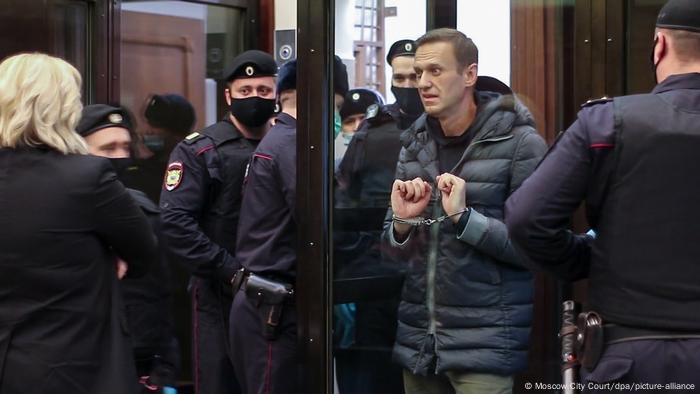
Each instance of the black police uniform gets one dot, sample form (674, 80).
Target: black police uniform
(632, 160)
(264, 338)
(148, 311)
(147, 299)
(267, 248)
(200, 206)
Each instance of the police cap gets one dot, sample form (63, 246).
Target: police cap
(100, 116)
(170, 111)
(357, 101)
(251, 64)
(287, 77)
(680, 15)
(401, 48)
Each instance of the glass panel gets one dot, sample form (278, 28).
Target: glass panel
(62, 29)
(641, 18)
(489, 27)
(367, 285)
(443, 284)
(174, 47)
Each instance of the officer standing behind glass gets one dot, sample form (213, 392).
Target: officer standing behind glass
(200, 206)
(367, 169)
(108, 132)
(634, 161)
(264, 338)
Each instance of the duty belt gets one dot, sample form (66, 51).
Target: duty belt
(614, 333)
(268, 296)
(592, 336)
(264, 290)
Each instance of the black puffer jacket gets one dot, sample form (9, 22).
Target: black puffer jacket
(467, 298)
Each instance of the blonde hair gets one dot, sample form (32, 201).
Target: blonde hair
(40, 103)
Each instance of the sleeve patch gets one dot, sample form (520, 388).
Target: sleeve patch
(173, 176)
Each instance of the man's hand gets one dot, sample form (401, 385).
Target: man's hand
(408, 200)
(454, 194)
(122, 267)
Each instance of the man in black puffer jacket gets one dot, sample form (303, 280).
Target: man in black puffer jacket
(466, 310)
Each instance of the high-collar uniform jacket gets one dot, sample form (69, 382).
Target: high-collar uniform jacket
(63, 221)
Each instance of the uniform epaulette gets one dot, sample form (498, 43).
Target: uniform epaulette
(372, 111)
(601, 100)
(192, 138)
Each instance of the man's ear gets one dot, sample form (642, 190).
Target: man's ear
(227, 96)
(661, 48)
(470, 74)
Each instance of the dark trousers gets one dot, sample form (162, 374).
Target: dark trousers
(263, 366)
(672, 364)
(212, 367)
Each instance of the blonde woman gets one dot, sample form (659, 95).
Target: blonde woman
(64, 220)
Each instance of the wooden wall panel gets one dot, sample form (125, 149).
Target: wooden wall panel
(535, 77)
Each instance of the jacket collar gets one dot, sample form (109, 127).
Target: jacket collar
(679, 81)
(223, 131)
(287, 120)
(496, 117)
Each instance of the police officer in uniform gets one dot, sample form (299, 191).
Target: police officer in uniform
(634, 161)
(367, 169)
(200, 206)
(352, 113)
(264, 338)
(108, 131)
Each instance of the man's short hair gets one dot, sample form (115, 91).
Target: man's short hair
(686, 44)
(465, 50)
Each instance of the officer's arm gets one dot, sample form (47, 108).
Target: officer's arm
(182, 199)
(122, 224)
(538, 214)
(490, 235)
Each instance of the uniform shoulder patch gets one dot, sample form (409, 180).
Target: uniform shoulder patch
(173, 176)
(601, 100)
(191, 138)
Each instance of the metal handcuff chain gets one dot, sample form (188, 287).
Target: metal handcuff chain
(420, 221)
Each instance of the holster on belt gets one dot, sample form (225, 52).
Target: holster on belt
(589, 340)
(269, 297)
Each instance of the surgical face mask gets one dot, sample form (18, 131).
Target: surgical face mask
(252, 111)
(408, 99)
(154, 142)
(337, 124)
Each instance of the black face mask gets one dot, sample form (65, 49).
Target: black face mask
(651, 61)
(252, 111)
(121, 166)
(408, 99)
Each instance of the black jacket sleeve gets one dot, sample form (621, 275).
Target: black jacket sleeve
(122, 224)
(181, 211)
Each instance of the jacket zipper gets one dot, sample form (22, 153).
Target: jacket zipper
(434, 237)
(432, 265)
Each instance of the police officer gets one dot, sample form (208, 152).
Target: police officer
(264, 338)
(107, 131)
(352, 113)
(367, 169)
(170, 117)
(633, 160)
(200, 207)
